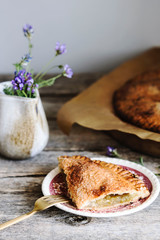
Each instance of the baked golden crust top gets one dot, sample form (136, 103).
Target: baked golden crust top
(91, 179)
(138, 101)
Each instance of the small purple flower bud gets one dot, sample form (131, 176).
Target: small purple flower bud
(28, 89)
(33, 90)
(28, 75)
(36, 85)
(112, 152)
(60, 48)
(21, 72)
(26, 59)
(67, 71)
(15, 87)
(28, 30)
(30, 81)
(21, 85)
(13, 82)
(17, 80)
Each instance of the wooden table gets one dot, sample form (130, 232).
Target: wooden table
(20, 181)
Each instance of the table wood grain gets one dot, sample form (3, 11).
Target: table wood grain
(20, 181)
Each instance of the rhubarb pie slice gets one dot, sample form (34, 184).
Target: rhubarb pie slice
(93, 184)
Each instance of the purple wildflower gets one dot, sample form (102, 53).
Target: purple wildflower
(67, 71)
(60, 48)
(28, 74)
(28, 30)
(31, 87)
(29, 81)
(26, 59)
(19, 80)
(112, 152)
(15, 87)
(13, 82)
(36, 85)
(21, 85)
(22, 80)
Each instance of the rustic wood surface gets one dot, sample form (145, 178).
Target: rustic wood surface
(20, 181)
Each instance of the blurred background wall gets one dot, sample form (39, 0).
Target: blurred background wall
(99, 34)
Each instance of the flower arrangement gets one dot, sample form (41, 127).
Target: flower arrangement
(25, 82)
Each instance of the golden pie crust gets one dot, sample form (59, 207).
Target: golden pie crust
(94, 184)
(138, 101)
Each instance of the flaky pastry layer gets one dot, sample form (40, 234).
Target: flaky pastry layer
(94, 184)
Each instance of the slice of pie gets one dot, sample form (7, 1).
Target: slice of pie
(96, 184)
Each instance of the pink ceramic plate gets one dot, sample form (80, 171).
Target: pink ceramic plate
(54, 183)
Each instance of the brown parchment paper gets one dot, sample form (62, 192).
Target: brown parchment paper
(93, 107)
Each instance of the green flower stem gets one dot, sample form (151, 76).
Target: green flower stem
(44, 68)
(24, 93)
(42, 75)
(116, 154)
(48, 82)
(141, 161)
(18, 67)
(29, 94)
(18, 93)
(30, 46)
(30, 53)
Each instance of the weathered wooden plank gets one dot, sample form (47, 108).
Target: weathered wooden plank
(82, 139)
(52, 223)
(41, 164)
(37, 166)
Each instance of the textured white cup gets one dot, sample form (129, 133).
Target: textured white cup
(23, 126)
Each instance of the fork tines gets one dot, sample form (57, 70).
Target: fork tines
(55, 198)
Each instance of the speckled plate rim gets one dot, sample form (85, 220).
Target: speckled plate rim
(154, 180)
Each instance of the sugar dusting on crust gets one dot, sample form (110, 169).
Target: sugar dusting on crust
(58, 186)
(88, 180)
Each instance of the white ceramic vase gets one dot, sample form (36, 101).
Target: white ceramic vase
(23, 126)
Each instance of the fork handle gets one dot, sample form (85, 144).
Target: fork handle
(17, 219)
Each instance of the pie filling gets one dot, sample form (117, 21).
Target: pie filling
(113, 200)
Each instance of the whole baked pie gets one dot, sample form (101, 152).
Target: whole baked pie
(94, 184)
(138, 101)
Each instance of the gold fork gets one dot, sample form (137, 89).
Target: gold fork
(41, 204)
